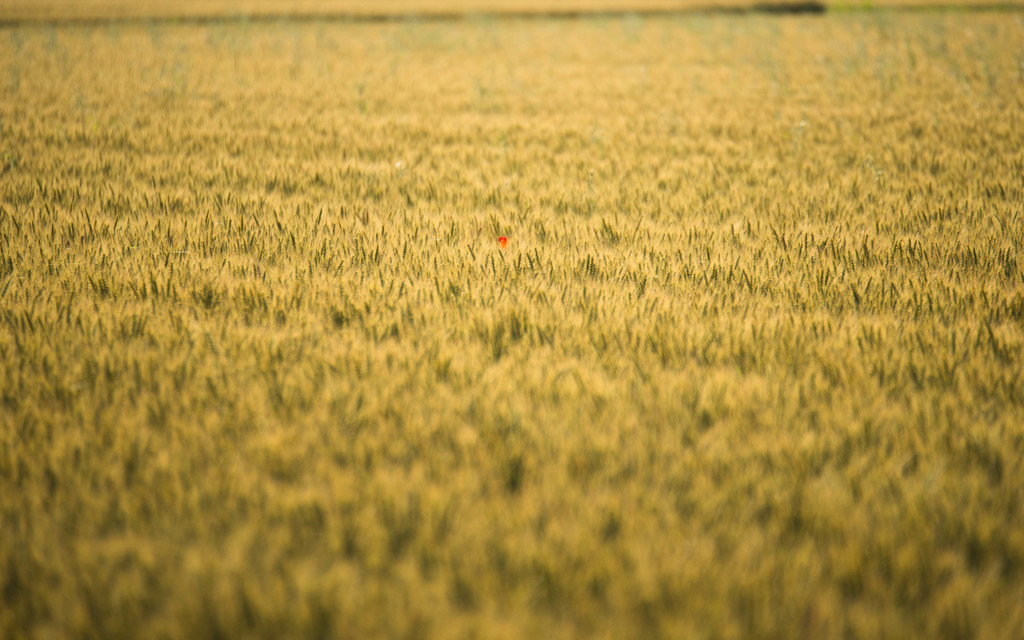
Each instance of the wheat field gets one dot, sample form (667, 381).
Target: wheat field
(749, 365)
(14, 12)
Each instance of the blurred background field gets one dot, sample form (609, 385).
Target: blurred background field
(191, 9)
(748, 367)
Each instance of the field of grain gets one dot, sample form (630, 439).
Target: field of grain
(748, 366)
(17, 11)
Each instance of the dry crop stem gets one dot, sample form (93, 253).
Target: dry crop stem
(749, 365)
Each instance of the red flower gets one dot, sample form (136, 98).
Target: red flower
(503, 241)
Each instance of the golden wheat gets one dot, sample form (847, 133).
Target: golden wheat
(749, 365)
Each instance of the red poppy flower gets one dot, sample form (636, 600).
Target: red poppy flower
(503, 241)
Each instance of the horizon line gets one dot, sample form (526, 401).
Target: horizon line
(780, 8)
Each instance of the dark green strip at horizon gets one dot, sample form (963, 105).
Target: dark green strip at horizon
(812, 7)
